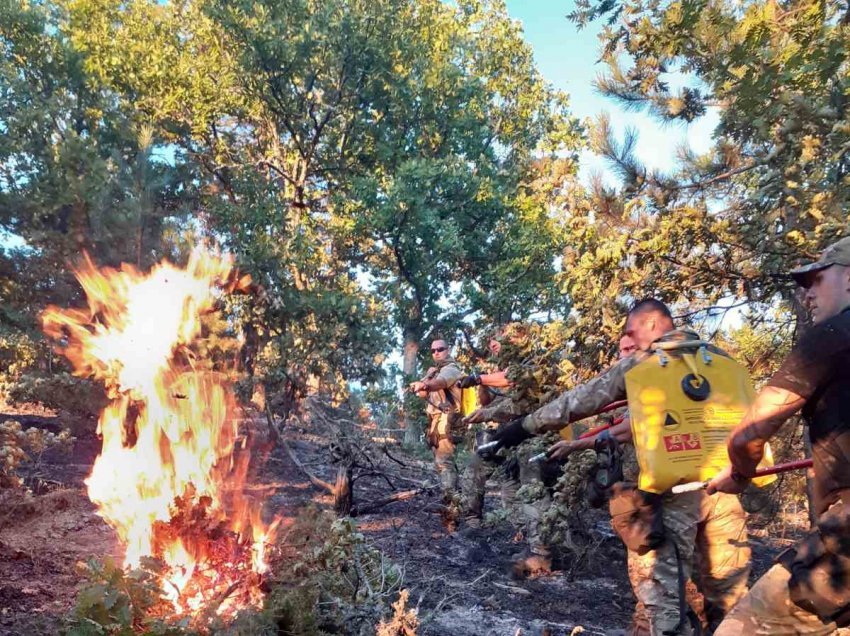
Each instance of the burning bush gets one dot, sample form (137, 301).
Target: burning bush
(326, 580)
(171, 473)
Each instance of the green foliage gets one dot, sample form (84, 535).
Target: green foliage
(533, 358)
(121, 603)
(19, 446)
(761, 349)
(385, 138)
(334, 583)
(60, 391)
(562, 523)
(774, 187)
(18, 352)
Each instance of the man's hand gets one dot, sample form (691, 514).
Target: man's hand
(728, 481)
(561, 450)
(417, 387)
(512, 434)
(470, 380)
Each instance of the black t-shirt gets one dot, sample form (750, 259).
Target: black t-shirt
(818, 369)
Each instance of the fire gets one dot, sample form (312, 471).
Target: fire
(170, 476)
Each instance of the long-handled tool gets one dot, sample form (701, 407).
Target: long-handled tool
(762, 472)
(604, 427)
(540, 457)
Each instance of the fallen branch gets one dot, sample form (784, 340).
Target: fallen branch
(399, 496)
(450, 597)
(513, 589)
(397, 461)
(316, 481)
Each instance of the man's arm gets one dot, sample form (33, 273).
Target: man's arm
(772, 407)
(446, 378)
(497, 380)
(584, 400)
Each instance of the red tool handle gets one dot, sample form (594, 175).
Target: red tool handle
(762, 472)
(781, 468)
(599, 429)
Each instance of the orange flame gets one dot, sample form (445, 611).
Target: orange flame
(170, 432)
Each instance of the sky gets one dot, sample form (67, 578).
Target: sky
(567, 58)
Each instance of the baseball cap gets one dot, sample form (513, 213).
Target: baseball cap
(836, 254)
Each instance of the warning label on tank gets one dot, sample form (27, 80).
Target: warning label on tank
(682, 442)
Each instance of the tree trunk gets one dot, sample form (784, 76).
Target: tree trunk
(343, 494)
(412, 430)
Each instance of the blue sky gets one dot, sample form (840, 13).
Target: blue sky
(568, 57)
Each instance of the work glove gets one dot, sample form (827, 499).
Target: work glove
(513, 434)
(470, 380)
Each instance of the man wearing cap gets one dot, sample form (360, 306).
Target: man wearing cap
(808, 590)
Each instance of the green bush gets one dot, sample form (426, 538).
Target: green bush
(121, 603)
(18, 446)
(60, 391)
(327, 580)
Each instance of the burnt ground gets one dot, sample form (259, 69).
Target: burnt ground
(462, 586)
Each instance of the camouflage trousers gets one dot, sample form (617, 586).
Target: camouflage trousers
(445, 460)
(474, 485)
(705, 535)
(768, 610)
(533, 507)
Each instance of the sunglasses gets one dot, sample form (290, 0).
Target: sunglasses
(439, 349)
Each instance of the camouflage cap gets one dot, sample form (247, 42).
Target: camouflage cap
(836, 254)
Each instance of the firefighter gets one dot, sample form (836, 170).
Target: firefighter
(664, 533)
(525, 375)
(808, 590)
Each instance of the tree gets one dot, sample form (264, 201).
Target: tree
(727, 225)
(371, 152)
(78, 172)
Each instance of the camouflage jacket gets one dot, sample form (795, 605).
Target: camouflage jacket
(607, 387)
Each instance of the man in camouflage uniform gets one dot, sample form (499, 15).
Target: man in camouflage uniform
(439, 388)
(480, 470)
(528, 377)
(808, 590)
(708, 529)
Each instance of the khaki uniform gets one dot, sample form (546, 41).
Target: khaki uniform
(710, 529)
(768, 611)
(474, 484)
(443, 410)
